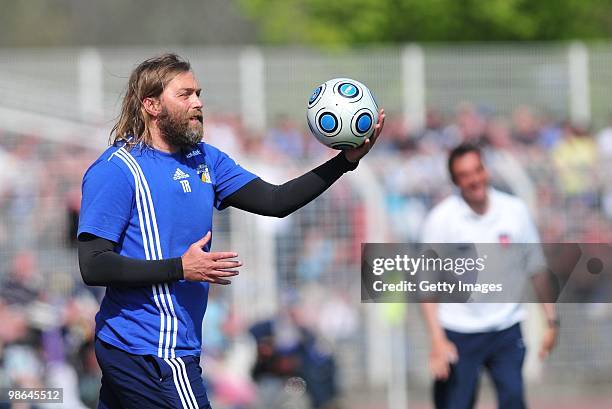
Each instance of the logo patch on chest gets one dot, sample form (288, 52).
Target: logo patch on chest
(204, 174)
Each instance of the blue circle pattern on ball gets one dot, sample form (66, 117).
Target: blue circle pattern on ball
(328, 122)
(314, 95)
(348, 90)
(364, 123)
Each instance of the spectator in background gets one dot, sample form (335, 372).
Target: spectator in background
(228, 365)
(22, 285)
(23, 190)
(288, 351)
(604, 154)
(575, 161)
(436, 135)
(286, 137)
(224, 132)
(316, 255)
(525, 126)
(399, 138)
(469, 124)
(550, 131)
(506, 168)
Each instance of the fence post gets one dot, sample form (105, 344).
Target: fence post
(579, 87)
(413, 86)
(252, 89)
(377, 330)
(91, 86)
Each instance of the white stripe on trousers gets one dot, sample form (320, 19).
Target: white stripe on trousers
(179, 386)
(183, 380)
(187, 380)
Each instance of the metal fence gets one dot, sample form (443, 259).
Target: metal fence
(68, 97)
(259, 84)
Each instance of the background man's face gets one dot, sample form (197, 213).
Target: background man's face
(471, 177)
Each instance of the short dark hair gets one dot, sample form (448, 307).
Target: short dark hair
(458, 152)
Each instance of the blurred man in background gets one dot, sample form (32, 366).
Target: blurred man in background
(470, 336)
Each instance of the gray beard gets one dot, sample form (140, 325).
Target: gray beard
(176, 132)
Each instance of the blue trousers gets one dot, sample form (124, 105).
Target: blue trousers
(146, 381)
(501, 353)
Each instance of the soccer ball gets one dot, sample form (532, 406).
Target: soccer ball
(342, 113)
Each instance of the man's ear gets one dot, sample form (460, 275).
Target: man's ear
(152, 106)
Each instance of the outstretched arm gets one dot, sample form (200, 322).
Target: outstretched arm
(266, 199)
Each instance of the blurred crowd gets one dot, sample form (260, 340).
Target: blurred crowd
(297, 355)
(559, 168)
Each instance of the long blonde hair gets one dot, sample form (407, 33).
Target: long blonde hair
(148, 80)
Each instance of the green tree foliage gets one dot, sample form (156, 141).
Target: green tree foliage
(41, 23)
(346, 22)
(307, 22)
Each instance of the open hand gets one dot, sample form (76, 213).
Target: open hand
(213, 267)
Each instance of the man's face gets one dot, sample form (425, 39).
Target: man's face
(471, 178)
(181, 117)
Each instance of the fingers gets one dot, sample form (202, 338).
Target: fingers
(223, 270)
(377, 129)
(441, 359)
(366, 145)
(548, 343)
(226, 265)
(222, 255)
(204, 240)
(440, 370)
(381, 119)
(224, 273)
(220, 276)
(453, 355)
(219, 281)
(379, 126)
(545, 351)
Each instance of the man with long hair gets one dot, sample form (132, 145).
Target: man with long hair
(145, 234)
